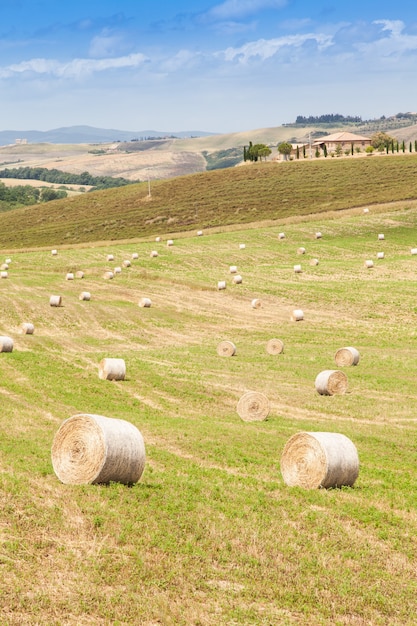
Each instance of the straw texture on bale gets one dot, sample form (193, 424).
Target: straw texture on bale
(117, 270)
(221, 284)
(108, 275)
(110, 257)
(369, 264)
(313, 460)
(242, 246)
(55, 300)
(318, 235)
(145, 302)
(4, 274)
(27, 328)
(69, 276)
(281, 235)
(347, 356)
(6, 344)
(135, 255)
(85, 295)
(226, 348)
(154, 253)
(256, 303)
(233, 269)
(79, 274)
(301, 250)
(297, 315)
(253, 407)
(331, 383)
(112, 369)
(275, 346)
(126, 263)
(314, 262)
(237, 279)
(380, 255)
(297, 269)
(381, 237)
(93, 449)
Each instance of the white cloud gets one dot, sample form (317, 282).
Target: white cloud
(235, 9)
(392, 44)
(73, 69)
(104, 45)
(266, 48)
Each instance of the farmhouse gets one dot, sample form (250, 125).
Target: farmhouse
(343, 140)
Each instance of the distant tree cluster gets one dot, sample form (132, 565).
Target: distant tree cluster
(63, 178)
(329, 118)
(25, 195)
(256, 152)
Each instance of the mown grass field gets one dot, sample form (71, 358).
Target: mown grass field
(211, 535)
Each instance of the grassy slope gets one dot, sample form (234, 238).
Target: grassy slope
(211, 536)
(214, 199)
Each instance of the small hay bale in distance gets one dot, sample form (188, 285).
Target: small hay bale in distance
(55, 301)
(145, 302)
(79, 274)
(256, 303)
(221, 285)
(6, 344)
(413, 251)
(8, 261)
(253, 406)
(297, 269)
(226, 348)
(380, 255)
(27, 328)
(199, 233)
(110, 257)
(4, 274)
(242, 246)
(69, 276)
(237, 279)
(170, 242)
(126, 263)
(154, 254)
(135, 255)
(281, 236)
(4, 266)
(109, 275)
(369, 264)
(112, 369)
(314, 262)
(85, 295)
(275, 346)
(54, 252)
(331, 383)
(233, 269)
(301, 250)
(318, 235)
(157, 239)
(381, 237)
(366, 210)
(93, 449)
(313, 460)
(297, 315)
(347, 356)
(117, 270)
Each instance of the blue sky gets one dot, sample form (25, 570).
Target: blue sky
(220, 66)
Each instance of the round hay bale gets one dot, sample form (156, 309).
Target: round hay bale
(253, 407)
(112, 369)
(145, 302)
(237, 279)
(4, 274)
(281, 235)
(226, 348)
(242, 246)
(366, 210)
(413, 251)
(55, 301)
(8, 261)
(347, 356)
(108, 275)
(381, 237)
(170, 242)
(221, 284)
(199, 233)
(135, 255)
(4, 266)
(380, 255)
(69, 276)
(126, 263)
(275, 346)
(157, 239)
(297, 315)
(318, 235)
(313, 460)
(79, 274)
(91, 449)
(301, 250)
(85, 295)
(27, 328)
(256, 303)
(297, 269)
(117, 270)
(314, 262)
(110, 257)
(6, 344)
(233, 269)
(54, 252)
(154, 254)
(331, 382)
(369, 264)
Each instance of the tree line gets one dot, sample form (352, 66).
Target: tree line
(63, 178)
(26, 195)
(328, 118)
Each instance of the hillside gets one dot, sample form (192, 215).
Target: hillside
(263, 191)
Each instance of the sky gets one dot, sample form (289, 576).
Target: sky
(210, 65)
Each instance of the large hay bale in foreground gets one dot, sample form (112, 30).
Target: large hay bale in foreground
(313, 460)
(89, 449)
(275, 346)
(6, 344)
(226, 348)
(331, 382)
(253, 406)
(112, 369)
(346, 356)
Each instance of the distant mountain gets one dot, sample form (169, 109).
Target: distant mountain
(89, 134)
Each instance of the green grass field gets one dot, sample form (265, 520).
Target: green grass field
(211, 535)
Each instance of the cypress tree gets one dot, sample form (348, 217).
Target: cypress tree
(410, 147)
(298, 152)
(403, 146)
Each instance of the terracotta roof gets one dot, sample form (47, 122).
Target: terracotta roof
(343, 136)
